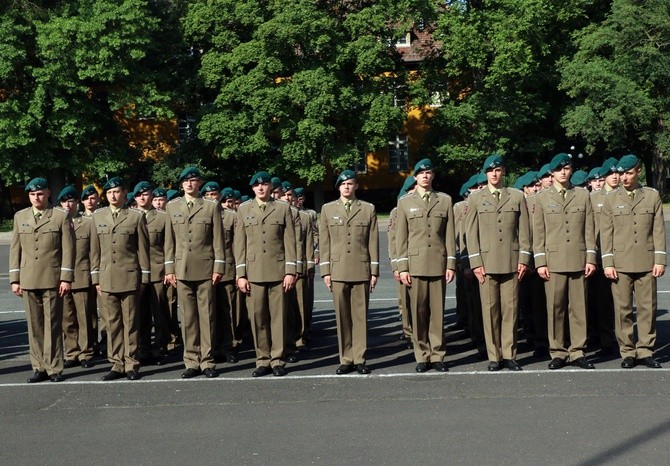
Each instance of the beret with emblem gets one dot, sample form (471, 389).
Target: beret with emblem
(244, 198)
(493, 161)
(159, 192)
(209, 187)
(559, 161)
(481, 179)
(422, 165)
(261, 177)
(543, 171)
(227, 193)
(142, 187)
(237, 194)
(88, 191)
(344, 176)
(628, 162)
(299, 192)
(406, 186)
(594, 174)
(67, 193)
(286, 186)
(609, 166)
(37, 184)
(114, 182)
(171, 194)
(275, 181)
(521, 182)
(578, 178)
(188, 173)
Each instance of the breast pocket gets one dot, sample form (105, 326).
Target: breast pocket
(621, 215)
(203, 225)
(644, 215)
(486, 214)
(577, 214)
(510, 214)
(553, 215)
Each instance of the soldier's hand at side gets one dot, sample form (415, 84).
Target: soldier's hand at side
(98, 290)
(64, 288)
(480, 273)
(658, 270)
(610, 272)
(171, 279)
(589, 270)
(543, 272)
(373, 283)
(449, 275)
(328, 283)
(289, 281)
(521, 270)
(243, 285)
(405, 278)
(216, 278)
(396, 275)
(16, 289)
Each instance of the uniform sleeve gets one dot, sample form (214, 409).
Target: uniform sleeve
(539, 234)
(68, 249)
(450, 237)
(315, 232)
(240, 246)
(300, 266)
(590, 233)
(170, 243)
(607, 233)
(471, 229)
(324, 244)
(15, 254)
(391, 239)
(95, 254)
(373, 243)
(143, 249)
(290, 242)
(401, 236)
(309, 245)
(525, 254)
(218, 241)
(660, 256)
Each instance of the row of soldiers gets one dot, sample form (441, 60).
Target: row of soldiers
(557, 240)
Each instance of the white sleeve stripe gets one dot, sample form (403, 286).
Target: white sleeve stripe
(473, 255)
(539, 254)
(607, 255)
(451, 257)
(14, 270)
(290, 263)
(95, 271)
(324, 263)
(374, 263)
(66, 269)
(403, 259)
(241, 265)
(660, 252)
(526, 252)
(146, 271)
(590, 250)
(168, 262)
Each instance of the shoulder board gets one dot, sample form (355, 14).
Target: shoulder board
(213, 201)
(101, 209)
(649, 188)
(281, 200)
(160, 211)
(60, 209)
(330, 203)
(136, 210)
(515, 190)
(366, 203)
(404, 196)
(227, 210)
(612, 191)
(246, 202)
(84, 217)
(440, 193)
(176, 199)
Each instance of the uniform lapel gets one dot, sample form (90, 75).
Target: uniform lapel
(269, 207)
(504, 198)
(150, 215)
(639, 196)
(46, 216)
(197, 206)
(123, 215)
(432, 201)
(569, 195)
(355, 208)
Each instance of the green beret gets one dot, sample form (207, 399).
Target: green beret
(88, 191)
(481, 179)
(543, 171)
(188, 173)
(422, 165)
(594, 174)
(608, 167)
(559, 161)
(275, 181)
(299, 192)
(578, 178)
(141, 187)
(286, 186)
(521, 182)
(406, 186)
(37, 184)
(67, 193)
(628, 162)
(472, 181)
(209, 187)
(493, 161)
(227, 193)
(261, 177)
(237, 194)
(464, 190)
(244, 198)
(159, 192)
(344, 176)
(532, 178)
(171, 194)
(113, 182)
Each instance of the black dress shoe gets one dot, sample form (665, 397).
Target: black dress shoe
(557, 363)
(38, 376)
(56, 378)
(345, 369)
(278, 371)
(650, 362)
(210, 373)
(628, 362)
(70, 363)
(439, 366)
(132, 375)
(493, 366)
(362, 369)
(261, 371)
(112, 375)
(583, 363)
(87, 363)
(232, 359)
(422, 367)
(511, 364)
(292, 358)
(190, 373)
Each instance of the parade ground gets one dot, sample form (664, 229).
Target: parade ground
(312, 416)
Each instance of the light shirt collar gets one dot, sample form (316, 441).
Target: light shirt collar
(190, 198)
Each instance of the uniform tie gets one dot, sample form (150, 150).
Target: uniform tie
(347, 207)
(38, 216)
(263, 206)
(115, 215)
(562, 193)
(189, 204)
(496, 194)
(426, 197)
(631, 194)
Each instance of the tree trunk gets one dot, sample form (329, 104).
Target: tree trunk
(658, 171)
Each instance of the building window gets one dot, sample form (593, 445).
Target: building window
(361, 165)
(185, 129)
(400, 96)
(398, 154)
(403, 41)
(435, 99)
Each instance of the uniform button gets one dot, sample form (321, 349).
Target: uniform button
(500, 239)
(263, 241)
(263, 231)
(499, 221)
(263, 250)
(429, 245)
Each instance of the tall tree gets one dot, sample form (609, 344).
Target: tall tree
(619, 80)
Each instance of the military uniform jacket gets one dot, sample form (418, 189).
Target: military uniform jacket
(228, 222)
(119, 250)
(299, 239)
(563, 231)
(497, 231)
(156, 221)
(42, 254)
(194, 240)
(313, 218)
(425, 235)
(633, 231)
(83, 229)
(265, 242)
(306, 262)
(393, 219)
(597, 201)
(349, 242)
(460, 212)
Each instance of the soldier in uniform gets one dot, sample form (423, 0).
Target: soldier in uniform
(90, 199)
(78, 335)
(41, 269)
(265, 258)
(313, 251)
(595, 179)
(305, 242)
(350, 267)
(119, 271)
(564, 247)
(633, 250)
(159, 198)
(497, 235)
(426, 250)
(195, 263)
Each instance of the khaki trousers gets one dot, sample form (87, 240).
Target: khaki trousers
(405, 311)
(475, 324)
(351, 302)
(123, 329)
(267, 311)
(223, 338)
(643, 286)
(566, 292)
(304, 323)
(426, 297)
(78, 336)
(44, 314)
(600, 312)
(173, 310)
(499, 294)
(197, 305)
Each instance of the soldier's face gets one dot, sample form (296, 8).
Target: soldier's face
(213, 195)
(70, 205)
(562, 175)
(116, 197)
(39, 199)
(348, 188)
(425, 179)
(597, 184)
(613, 180)
(229, 203)
(191, 186)
(159, 202)
(91, 202)
(288, 197)
(495, 176)
(546, 181)
(629, 178)
(262, 191)
(277, 193)
(144, 199)
(299, 201)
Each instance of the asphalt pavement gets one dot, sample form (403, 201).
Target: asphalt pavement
(393, 416)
